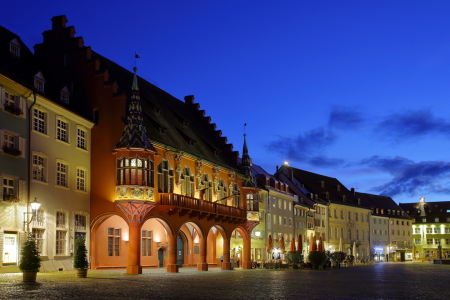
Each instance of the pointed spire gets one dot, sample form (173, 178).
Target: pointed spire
(246, 164)
(135, 134)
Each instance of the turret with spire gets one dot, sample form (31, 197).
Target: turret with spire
(135, 136)
(246, 165)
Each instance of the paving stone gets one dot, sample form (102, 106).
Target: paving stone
(379, 281)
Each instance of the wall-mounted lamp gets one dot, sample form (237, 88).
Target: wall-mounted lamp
(34, 208)
(257, 233)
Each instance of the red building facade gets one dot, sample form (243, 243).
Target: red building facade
(166, 191)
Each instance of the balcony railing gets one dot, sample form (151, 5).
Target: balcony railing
(203, 206)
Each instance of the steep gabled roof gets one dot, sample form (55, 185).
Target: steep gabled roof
(382, 202)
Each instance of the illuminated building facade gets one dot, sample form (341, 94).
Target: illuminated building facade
(52, 150)
(166, 191)
(430, 228)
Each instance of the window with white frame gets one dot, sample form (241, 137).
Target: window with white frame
(14, 49)
(187, 182)
(429, 241)
(9, 188)
(11, 100)
(81, 180)
(9, 141)
(61, 236)
(64, 97)
(39, 84)
(61, 131)
(38, 234)
(61, 219)
(61, 174)
(38, 218)
(40, 121)
(39, 164)
(80, 222)
(81, 138)
(146, 243)
(113, 242)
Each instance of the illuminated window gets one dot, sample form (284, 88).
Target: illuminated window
(429, 230)
(81, 180)
(113, 242)
(417, 241)
(146, 243)
(187, 183)
(60, 219)
(61, 131)
(61, 236)
(80, 222)
(61, 174)
(136, 171)
(39, 121)
(81, 138)
(9, 187)
(39, 238)
(437, 230)
(436, 220)
(416, 230)
(39, 164)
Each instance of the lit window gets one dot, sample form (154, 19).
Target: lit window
(61, 242)
(39, 238)
(60, 219)
(187, 183)
(113, 241)
(61, 131)
(61, 174)
(81, 138)
(135, 171)
(80, 222)
(39, 168)
(81, 180)
(39, 121)
(436, 220)
(146, 243)
(9, 189)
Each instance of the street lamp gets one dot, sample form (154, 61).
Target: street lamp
(34, 208)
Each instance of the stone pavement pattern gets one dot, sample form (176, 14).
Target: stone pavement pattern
(381, 281)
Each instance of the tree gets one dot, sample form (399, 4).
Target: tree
(80, 260)
(30, 260)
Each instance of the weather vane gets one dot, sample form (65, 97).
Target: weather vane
(136, 56)
(244, 128)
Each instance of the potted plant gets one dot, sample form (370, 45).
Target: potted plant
(317, 258)
(80, 261)
(30, 261)
(336, 258)
(293, 258)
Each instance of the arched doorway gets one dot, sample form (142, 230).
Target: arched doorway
(180, 250)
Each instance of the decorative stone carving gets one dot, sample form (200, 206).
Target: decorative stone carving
(122, 192)
(232, 175)
(216, 185)
(149, 193)
(135, 211)
(199, 164)
(215, 170)
(136, 193)
(179, 171)
(178, 157)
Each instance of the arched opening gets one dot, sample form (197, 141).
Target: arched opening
(154, 243)
(189, 245)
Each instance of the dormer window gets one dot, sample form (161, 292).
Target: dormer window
(158, 111)
(192, 143)
(64, 95)
(186, 124)
(359, 201)
(378, 210)
(322, 184)
(382, 211)
(389, 211)
(39, 82)
(216, 152)
(14, 47)
(162, 130)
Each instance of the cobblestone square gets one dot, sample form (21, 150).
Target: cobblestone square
(380, 281)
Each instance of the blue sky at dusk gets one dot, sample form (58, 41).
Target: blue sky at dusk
(357, 90)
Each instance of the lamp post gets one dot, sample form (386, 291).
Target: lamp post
(34, 208)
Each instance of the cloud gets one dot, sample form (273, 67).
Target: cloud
(411, 178)
(412, 124)
(306, 147)
(344, 118)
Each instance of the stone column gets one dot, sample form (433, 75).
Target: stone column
(172, 266)
(246, 261)
(226, 265)
(134, 249)
(134, 212)
(202, 265)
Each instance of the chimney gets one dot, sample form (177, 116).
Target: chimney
(59, 22)
(189, 99)
(353, 191)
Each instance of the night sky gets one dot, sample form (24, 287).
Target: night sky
(357, 90)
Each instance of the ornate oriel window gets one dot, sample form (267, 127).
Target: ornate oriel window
(252, 202)
(135, 171)
(187, 182)
(165, 177)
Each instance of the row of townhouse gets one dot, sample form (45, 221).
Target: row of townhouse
(44, 157)
(296, 202)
